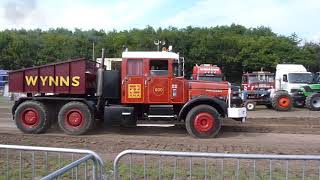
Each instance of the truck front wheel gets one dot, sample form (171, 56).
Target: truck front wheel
(75, 118)
(313, 102)
(203, 121)
(282, 101)
(32, 117)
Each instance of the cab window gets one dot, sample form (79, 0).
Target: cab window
(135, 67)
(244, 79)
(158, 67)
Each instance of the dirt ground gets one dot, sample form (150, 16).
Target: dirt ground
(266, 131)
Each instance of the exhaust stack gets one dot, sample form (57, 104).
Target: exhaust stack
(100, 73)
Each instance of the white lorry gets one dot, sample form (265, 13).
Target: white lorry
(288, 79)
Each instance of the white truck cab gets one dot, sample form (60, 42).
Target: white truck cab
(290, 77)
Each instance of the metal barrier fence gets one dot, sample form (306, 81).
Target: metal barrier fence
(28, 162)
(146, 164)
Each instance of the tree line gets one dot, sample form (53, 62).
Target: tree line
(235, 48)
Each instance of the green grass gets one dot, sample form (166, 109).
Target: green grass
(41, 166)
(213, 172)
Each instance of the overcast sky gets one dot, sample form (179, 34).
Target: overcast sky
(283, 16)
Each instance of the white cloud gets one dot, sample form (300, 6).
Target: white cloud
(83, 14)
(284, 17)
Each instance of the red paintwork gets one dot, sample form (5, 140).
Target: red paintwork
(204, 69)
(143, 88)
(204, 122)
(30, 118)
(74, 118)
(166, 89)
(82, 68)
(212, 89)
(252, 86)
(284, 102)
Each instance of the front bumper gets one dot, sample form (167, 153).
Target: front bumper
(238, 113)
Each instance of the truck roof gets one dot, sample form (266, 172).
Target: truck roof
(254, 73)
(291, 68)
(150, 54)
(4, 72)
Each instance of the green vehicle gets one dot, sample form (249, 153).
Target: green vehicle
(309, 95)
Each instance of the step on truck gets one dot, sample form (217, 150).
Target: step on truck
(78, 93)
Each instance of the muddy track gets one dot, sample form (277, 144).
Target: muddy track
(265, 131)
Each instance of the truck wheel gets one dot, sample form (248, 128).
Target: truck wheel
(250, 105)
(32, 117)
(313, 102)
(75, 118)
(203, 121)
(282, 101)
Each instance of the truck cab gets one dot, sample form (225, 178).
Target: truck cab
(291, 77)
(256, 88)
(259, 80)
(207, 72)
(151, 78)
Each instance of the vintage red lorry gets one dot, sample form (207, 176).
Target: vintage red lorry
(76, 93)
(207, 72)
(256, 88)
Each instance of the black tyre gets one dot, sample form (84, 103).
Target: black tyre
(32, 117)
(313, 102)
(203, 121)
(75, 118)
(250, 105)
(282, 101)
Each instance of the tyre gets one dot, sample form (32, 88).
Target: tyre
(32, 117)
(282, 101)
(75, 118)
(250, 105)
(313, 102)
(203, 121)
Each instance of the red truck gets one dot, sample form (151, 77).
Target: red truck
(256, 88)
(207, 72)
(76, 93)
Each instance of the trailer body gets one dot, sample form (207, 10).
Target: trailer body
(76, 76)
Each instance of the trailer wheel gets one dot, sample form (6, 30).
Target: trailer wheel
(313, 102)
(282, 101)
(250, 105)
(75, 118)
(203, 121)
(32, 117)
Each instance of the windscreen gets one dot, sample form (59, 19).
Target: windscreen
(305, 78)
(211, 78)
(261, 78)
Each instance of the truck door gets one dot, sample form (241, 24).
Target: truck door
(133, 81)
(284, 82)
(157, 82)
